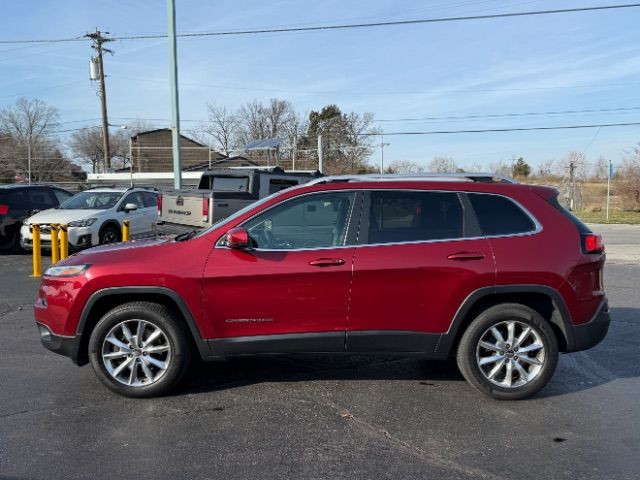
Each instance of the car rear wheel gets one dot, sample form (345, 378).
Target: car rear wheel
(139, 349)
(508, 352)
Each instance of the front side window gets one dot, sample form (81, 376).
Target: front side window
(313, 221)
(135, 198)
(499, 215)
(402, 216)
(92, 200)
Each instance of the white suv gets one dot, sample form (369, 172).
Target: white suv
(95, 216)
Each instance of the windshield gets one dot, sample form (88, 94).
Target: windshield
(92, 201)
(239, 213)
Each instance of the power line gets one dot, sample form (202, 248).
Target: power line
(384, 24)
(522, 129)
(502, 115)
(343, 26)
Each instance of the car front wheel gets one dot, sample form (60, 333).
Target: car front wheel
(508, 352)
(139, 349)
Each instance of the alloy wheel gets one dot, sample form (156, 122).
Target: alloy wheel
(136, 353)
(510, 354)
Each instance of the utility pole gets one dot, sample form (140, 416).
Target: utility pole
(294, 152)
(609, 186)
(175, 109)
(382, 145)
(320, 153)
(98, 39)
(572, 184)
(29, 157)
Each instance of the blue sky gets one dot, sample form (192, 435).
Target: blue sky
(578, 61)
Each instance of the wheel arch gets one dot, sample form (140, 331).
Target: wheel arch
(544, 299)
(106, 299)
(111, 222)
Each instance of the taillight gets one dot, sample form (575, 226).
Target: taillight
(592, 243)
(4, 209)
(205, 209)
(159, 204)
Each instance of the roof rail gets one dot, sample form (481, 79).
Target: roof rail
(422, 177)
(145, 187)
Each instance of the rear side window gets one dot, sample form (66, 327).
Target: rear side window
(150, 199)
(230, 184)
(398, 216)
(41, 199)
(499, 215)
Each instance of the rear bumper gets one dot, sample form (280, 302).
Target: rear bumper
(67, 346)
(590, 334)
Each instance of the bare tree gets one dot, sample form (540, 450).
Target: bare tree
(442, 164)
(628, 180)
(500, 167)
(29, 126)
(601, 169)
(223, 126)
(545, 168)
(405, 166)
(87, 145)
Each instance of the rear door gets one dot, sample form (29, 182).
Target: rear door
(420, 254)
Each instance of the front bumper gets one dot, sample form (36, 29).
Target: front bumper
(79, 237)
(590, 334)
(67, 346)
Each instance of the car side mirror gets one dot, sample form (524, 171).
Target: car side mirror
(238, 237)
(130, 207)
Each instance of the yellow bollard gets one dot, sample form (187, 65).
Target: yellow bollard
(125, 230)
(64, 242)
(37, 260)
(55, 244)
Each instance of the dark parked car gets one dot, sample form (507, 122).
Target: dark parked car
(18, 202)
(494, 273)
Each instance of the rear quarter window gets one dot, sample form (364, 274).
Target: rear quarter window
(498, 215)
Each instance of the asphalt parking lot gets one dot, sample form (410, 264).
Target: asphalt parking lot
(323, 417)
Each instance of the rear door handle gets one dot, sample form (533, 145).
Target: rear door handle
(326, 262)
(462, 256)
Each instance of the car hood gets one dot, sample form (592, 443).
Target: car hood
(113, 247)
(59, 215)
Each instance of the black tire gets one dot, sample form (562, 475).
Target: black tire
(12, 244)
(109, 234)
(498, 315)
(158, 316)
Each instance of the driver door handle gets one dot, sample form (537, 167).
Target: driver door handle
(326, 262)
(462, 256)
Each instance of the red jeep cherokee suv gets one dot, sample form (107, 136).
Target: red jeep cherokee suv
(493, 272)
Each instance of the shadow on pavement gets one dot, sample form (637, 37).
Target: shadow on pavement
(614, 358)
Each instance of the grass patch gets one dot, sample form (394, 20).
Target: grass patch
(615, 216)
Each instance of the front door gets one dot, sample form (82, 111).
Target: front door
(290, 291)
(419, 257)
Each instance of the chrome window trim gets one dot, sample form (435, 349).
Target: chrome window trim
(538, 227)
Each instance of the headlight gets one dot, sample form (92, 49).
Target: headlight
(82, 223)
(66, 271)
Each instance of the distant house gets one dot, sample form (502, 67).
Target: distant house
(152, 151)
